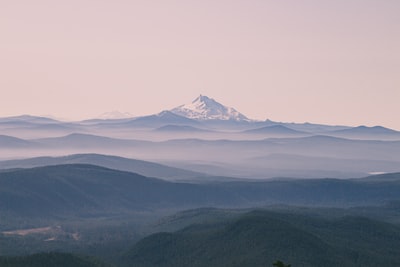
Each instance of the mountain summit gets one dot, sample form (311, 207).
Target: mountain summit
(205, 108)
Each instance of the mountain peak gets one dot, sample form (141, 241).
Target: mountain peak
(205, 108)
(203, 98)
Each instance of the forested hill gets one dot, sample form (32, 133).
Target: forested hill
(81, 190)
(259, 238)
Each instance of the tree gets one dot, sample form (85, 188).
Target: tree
(280, 264)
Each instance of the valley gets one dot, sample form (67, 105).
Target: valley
(197, 185)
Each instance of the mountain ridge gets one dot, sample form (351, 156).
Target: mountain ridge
(141, 167)
(203, 110)
(88, 190)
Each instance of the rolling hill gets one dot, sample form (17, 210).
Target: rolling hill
(7, 142)
(365, 132)
(141, 167)
(278, 130)
(78, 140)
(85, 190)
(160, 119)
(180, 129)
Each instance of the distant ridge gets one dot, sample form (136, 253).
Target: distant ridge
(179, 128)
(13, 142)
(368, 130)
(28, 118)
(276, 129)
(114, 115)
(161, 119)
(141, 167)
(87, 140)
(365, 132)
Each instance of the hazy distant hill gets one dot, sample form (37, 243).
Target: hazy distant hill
(278, 130)
(235, 158)
(203, 111)
(141, 167)
(158, 120)
(364, 132)
(322, 165)
(257, 158)
(180, 129)
(13, 142)
(77, 140)
(208, 137)
(29, 123)
(28, 119)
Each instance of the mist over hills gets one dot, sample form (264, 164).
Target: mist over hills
(302, 157)
(278, 130)
(141, 167)
(99, 186)
(13, 142)
(179, 128)
(207, 137)
(364, 132)
(28, 119)
(113, 211)
(203, 112)
(79, 140)
(161, 119)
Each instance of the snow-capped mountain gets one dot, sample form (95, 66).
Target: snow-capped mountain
(205, 108)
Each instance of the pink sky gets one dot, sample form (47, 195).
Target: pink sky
(323, 61)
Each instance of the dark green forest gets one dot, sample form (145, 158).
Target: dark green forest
(234, 238)
(84, 215)
(52, 259)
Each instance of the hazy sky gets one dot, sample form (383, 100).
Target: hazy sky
(324, 61)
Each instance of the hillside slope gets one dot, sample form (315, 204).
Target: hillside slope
(83, 190)
(260, 238)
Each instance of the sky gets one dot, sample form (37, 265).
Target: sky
(321, 61)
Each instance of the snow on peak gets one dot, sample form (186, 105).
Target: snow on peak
(205, 108)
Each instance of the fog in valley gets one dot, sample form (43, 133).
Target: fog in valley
(119, 190)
